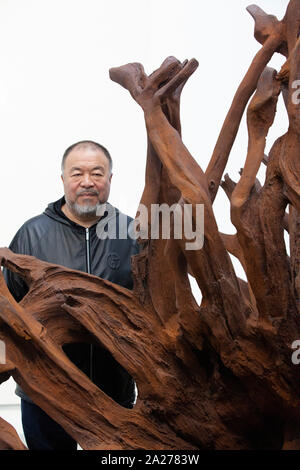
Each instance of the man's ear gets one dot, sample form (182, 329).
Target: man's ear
(110, 177)
(62, 177)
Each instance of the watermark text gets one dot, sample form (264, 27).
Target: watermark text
(296, 353)
(2, 352)
(179, 222)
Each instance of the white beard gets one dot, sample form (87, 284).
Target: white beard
(83, 211)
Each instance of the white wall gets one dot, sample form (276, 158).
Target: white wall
(55, 90)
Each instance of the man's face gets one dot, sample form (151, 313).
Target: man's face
(86, 179)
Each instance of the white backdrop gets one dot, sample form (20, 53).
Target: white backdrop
(55, 90)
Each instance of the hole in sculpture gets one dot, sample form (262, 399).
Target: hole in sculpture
(195, 289)
(104, 371)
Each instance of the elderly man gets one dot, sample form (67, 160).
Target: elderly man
(66, 234)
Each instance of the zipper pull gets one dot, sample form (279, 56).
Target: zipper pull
(88, 259)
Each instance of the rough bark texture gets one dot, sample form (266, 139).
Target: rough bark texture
(215, 376)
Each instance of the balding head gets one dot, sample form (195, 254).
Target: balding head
(86, 144)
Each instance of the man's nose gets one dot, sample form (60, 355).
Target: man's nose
(86, 181)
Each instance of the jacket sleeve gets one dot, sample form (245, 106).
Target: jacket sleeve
(16, 285)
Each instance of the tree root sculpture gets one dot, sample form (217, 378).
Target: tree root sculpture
(215, 376)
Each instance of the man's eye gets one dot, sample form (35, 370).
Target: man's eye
(97, 174)
(76, 174)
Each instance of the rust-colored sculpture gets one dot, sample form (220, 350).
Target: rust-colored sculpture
(218, 376)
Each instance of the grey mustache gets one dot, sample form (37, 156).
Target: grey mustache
(93, 192)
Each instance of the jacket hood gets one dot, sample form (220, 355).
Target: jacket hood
(53, 210)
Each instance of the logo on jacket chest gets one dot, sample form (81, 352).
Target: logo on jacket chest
(113, 261)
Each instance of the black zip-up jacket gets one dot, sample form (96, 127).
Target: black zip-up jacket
(54, 238)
